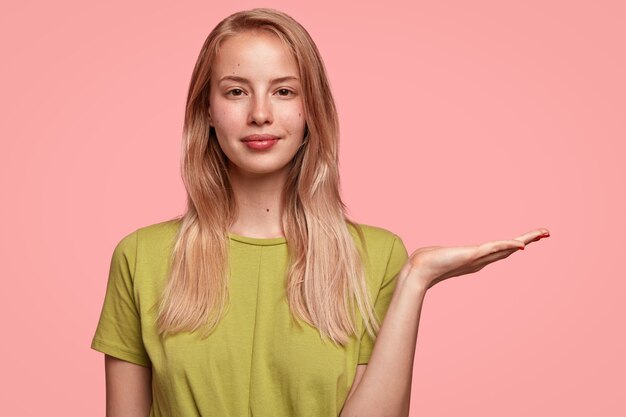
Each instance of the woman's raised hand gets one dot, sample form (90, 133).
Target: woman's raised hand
(432, 264)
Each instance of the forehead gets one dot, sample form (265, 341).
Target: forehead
(257, 55)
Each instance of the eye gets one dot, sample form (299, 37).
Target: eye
(234, 89)
(287, 90)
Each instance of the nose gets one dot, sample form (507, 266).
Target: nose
(261, 111)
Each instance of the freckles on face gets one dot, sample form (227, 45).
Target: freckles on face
(255, 88)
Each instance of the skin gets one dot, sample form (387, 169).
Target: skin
(128, 388)
(384, 388)
(238, 109)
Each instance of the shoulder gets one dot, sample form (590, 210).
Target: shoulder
(152, 237)
(380, 246)
(159, 231)
(374, 232)
(374, 237)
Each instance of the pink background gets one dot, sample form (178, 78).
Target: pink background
(462, 122)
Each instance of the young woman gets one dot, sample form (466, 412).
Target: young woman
(264, 299)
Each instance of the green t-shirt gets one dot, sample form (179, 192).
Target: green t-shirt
(257, 362)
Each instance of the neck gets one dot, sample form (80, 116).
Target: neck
(259, 203)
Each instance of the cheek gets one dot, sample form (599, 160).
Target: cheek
(227, 120)
(294, 126)
(224, 113)
(296, 121)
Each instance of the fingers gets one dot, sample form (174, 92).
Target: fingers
(500, 249)
(519, 242)
(499, 246)
(533, 235)
(512, 244)
(492, 257)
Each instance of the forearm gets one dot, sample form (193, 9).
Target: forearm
(385, 389)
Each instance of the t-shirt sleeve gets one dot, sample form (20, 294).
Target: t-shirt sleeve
(119, 328)
(397, 258)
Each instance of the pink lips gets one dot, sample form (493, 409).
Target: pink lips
(260, 142)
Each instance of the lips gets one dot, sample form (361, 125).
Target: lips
(260, 142)
(259, 137)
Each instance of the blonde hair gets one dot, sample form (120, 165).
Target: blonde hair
(326, 272)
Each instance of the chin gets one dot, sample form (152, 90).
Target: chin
(261, 169)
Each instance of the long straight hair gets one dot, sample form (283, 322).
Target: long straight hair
(326, 272)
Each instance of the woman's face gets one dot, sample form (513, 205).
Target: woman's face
(255, 102)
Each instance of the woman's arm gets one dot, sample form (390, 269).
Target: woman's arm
(385, 389)
(385, 386)
(128, 388)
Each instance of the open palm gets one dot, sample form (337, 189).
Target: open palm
(433, 264)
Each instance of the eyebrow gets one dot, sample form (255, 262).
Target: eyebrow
(245, 80)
